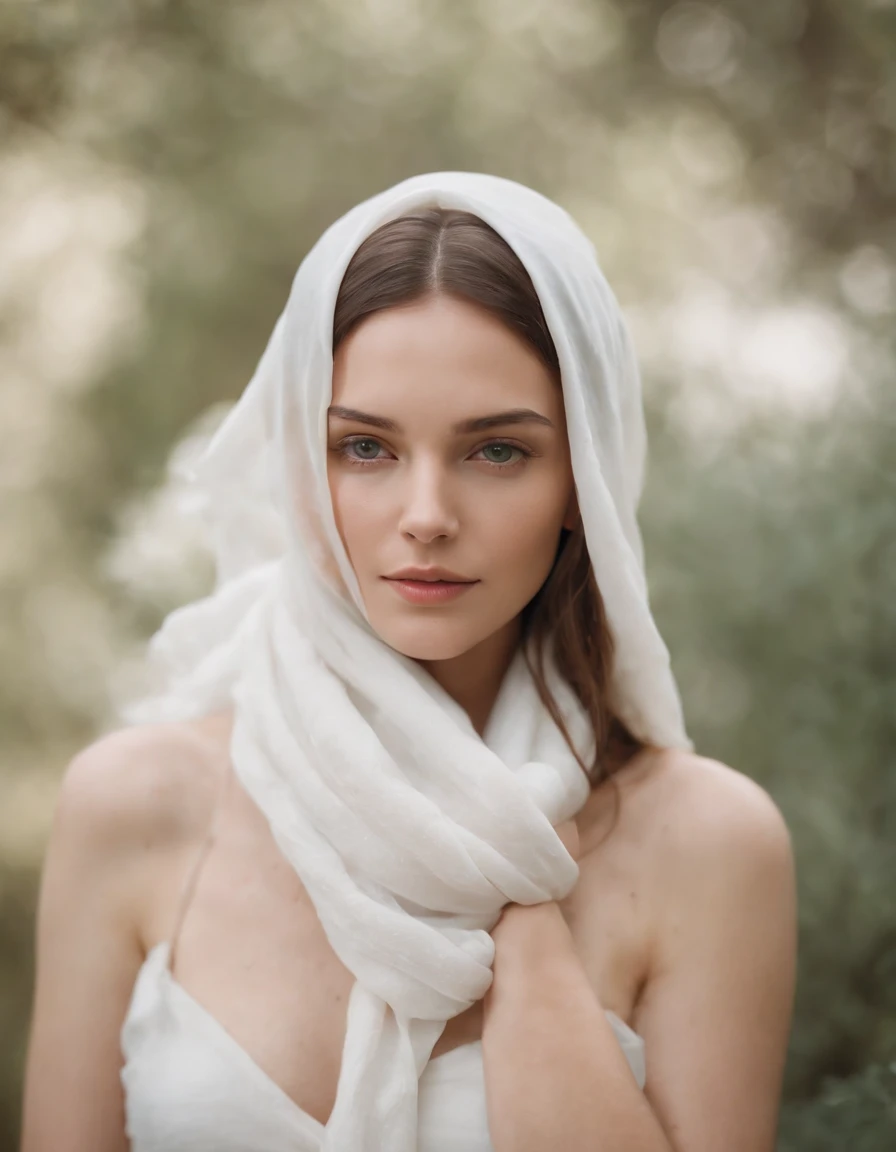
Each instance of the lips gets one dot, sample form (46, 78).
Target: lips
(430, 576)
(430, 592)
(420, 580)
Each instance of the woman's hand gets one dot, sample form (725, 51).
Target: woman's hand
(568, 832)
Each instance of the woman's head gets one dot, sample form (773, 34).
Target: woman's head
(487, 502)
(491, 252)
(437, 324)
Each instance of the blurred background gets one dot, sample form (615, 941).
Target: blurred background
(164, 166)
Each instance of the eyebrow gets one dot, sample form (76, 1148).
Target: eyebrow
(477, 424)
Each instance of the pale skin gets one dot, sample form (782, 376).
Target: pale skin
(683, 921)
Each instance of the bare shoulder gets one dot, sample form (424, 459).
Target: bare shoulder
(716, 847)
(722, 917)
(144, 785)
(674, 801)
(692, 808)
(130, 801)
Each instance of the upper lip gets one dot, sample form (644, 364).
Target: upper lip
(429, 574)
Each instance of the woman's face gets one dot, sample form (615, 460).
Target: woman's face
(486, 503)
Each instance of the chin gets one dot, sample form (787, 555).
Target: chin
(436, 640)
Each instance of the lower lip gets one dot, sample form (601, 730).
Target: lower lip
(425, 592)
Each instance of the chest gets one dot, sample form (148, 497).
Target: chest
(249, 947)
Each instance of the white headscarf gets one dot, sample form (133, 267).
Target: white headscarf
(408, 830)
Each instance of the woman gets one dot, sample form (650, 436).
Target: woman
(416, 853)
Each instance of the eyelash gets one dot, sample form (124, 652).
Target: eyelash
(355, 462)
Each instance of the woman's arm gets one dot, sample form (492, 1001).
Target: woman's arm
(541, 1019)
(119, 804)
(715, 1014)
(555, 1075)
(87, 958)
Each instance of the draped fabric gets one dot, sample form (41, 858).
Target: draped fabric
(408, 830)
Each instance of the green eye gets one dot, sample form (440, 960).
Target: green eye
(501, 448)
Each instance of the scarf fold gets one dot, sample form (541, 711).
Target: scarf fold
(409, 831)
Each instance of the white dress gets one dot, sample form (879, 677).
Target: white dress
(189, 1087)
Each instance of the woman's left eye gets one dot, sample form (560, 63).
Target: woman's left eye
(503, 446)
(500, 445)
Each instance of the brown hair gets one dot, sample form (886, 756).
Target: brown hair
(441, 251)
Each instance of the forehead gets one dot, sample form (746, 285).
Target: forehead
(443, 353)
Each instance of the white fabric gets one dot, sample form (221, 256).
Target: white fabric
(189, 1087)
(409, 832)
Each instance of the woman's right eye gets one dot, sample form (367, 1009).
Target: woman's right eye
(365, 442)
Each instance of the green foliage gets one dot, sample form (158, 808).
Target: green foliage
(747, 149)
(858, 1114)
(784, 650)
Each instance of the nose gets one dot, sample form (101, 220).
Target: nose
(427, 510)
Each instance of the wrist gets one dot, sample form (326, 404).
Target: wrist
(528, 934)
(536, 966)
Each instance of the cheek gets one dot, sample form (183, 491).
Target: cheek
(518, 545)
(356, 512)
(531, 527)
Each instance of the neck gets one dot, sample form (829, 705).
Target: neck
(473, 679)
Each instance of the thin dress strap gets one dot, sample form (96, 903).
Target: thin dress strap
(192, 879)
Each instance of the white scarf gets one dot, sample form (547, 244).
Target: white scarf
(408, 830)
